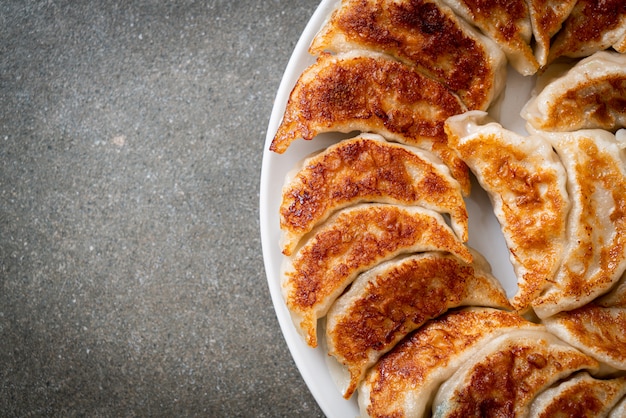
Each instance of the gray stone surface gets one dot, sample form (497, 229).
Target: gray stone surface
(131, 276)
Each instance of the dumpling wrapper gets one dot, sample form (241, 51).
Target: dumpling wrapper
(547, 17)
(592, 26)
(405, 380)
(580, 396)
(350, 242)
(598, 331)
(592, 94)
(366, 169)
(595, 256)
(369, 92)
(526, 183)
(426, 34)
(620, 410)
(507, 374)
(616, 297)
(507, 23)
(386, 303)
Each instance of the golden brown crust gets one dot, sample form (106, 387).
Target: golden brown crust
(596, 330)
(422, 33)
(505, 381)
(365, 169)
(595, 102)
(353, 241)
(586, 26)
(396, 301)
(533, 212)
(371, 94)
(407, 370)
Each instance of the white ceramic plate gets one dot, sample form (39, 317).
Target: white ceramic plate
(484, 230)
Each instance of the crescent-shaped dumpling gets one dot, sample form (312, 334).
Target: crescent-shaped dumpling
(350, 242)
(595, 256)
(595, 330)
(592, 94)
(580, 396)
(366, 169)
(404, 382)
(368, 92)
(593, 25)
(526, 183)
(424, 33)
(505, 22)
(386, 303)
(507, 374)
(547, 17)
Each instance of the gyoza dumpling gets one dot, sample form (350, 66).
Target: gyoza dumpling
(505, 22)
(547, 17)
(507, 374)
(595, 256)
(424, 33)
(526, 183)
(580, 396)
(368, 92)
(595, 330)
(616, 297)
(590, 95)
(404, 382)
(593, 25)
(367, 169)
(350, 242)
(387, 302)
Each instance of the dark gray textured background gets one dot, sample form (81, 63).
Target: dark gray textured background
(131, 276)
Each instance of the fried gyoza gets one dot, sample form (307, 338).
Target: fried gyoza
(387, 302)
(368, 92)
(350, 242)
(424, 33)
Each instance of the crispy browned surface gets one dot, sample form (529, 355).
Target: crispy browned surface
(399, 300)
(355, 240)
(587, 24)
(505, 382)
(596, 102)
(412, 362)
(596, 170)
(371, 94)
(595, 329)
(363, 169)
(535, 221)
(422, 33)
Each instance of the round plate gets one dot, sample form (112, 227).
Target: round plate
(484, 230)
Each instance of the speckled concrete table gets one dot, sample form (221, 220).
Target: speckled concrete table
(131, 276)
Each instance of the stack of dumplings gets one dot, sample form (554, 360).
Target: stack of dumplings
(374, 228)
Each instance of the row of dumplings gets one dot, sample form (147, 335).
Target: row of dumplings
(374, 227)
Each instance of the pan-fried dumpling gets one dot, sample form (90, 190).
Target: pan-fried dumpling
(616, 297)
(367, 92)
(590, 95)
(387, 302)
(507, 374)
(595, 256)
(350, 242)
(367, 169)
(527, 186)
(405, 380)
(505, 22)
(547, 17)
(593, 25)
(580, 396)
(424, 33)
(595, 330)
